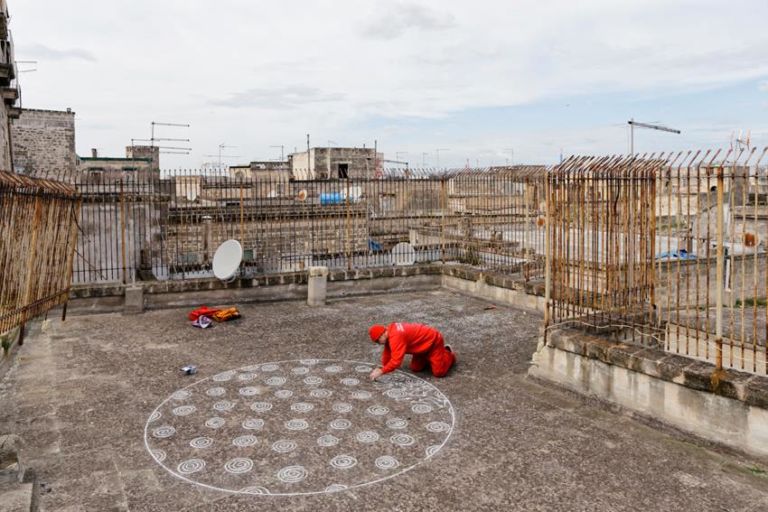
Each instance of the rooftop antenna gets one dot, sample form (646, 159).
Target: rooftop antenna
(32, 63)
(511, 155)
(222, 146)
(282, 151)
(742, 142)
(632, 123)
(437, 154)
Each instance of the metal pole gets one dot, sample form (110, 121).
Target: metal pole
(720, 271)
(548, 254)
(122, 233)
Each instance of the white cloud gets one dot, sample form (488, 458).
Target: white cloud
(264, 73)
(397, 18)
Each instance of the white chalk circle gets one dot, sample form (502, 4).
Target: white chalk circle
(292, 474)
(327, 440)
(184, 410)
(163, 432)
(297, 427)
(261, 406)
(284, 446)
(302, 407)
(386, 462)
(253, 424)
(201, 443)
(218, 391)
(275, 381)
(191, 466)
(313, 381)
(343, 462)
(320, 393)
(249, 391)
(342, 407)
(340, 424)
(245, 441)
(238, 465)
(369, 436)
(223, 405)
(215, 422)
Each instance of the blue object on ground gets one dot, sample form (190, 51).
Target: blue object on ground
(681, 254)
(331, 198)
(374, 246)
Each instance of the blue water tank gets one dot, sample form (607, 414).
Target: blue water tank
(331, 198)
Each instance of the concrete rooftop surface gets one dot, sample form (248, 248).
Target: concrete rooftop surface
(281, 404)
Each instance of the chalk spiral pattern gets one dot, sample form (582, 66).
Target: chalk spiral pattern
(315, 418)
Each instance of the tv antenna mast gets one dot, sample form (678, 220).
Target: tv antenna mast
(632, 123)
(168, 150)
(223, 146)
(742, 142)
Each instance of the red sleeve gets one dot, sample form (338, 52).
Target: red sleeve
(386, 355)
(396, 346)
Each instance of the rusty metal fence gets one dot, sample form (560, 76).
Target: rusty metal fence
(141, 226)
(37, 241)
(667, 251)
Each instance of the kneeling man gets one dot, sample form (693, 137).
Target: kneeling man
(423, 342)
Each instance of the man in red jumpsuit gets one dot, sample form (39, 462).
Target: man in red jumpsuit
(423, 342)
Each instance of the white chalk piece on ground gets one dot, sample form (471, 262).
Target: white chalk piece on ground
(227, 259)
(189, 369)
(403, 254)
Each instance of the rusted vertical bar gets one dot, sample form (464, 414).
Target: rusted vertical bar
(347, 228)
(242, 213)
(719, 271)
(548, 255)
(122, 233)
(443, 205)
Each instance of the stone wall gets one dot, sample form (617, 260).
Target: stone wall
(43, 143)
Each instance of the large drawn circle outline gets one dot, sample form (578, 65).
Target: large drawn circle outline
(404, 470)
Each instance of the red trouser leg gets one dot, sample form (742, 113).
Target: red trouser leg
(440, 359)
(419, 362)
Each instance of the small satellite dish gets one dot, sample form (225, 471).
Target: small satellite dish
(226, 260)
(302, 195)
(403, 254)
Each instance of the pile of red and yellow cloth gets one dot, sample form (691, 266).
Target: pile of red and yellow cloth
(203, 316)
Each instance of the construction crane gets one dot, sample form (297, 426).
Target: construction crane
(632, 123)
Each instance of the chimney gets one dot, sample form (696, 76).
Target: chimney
(94, 153)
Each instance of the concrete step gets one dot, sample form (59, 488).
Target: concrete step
(17, 497)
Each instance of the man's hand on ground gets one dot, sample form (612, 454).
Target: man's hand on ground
(375, 374)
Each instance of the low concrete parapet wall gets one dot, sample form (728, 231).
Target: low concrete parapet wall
(495, 287)
(267, 288)
(726, 407)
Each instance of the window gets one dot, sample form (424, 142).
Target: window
(343, 171)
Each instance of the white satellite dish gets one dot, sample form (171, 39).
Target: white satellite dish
(403, 254)
(226, 260)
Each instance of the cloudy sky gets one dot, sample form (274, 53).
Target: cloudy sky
(482, 81)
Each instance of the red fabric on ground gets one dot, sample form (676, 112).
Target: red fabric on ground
(202, 310)
(423, 342)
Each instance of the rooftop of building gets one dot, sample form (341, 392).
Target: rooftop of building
(92, 395)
